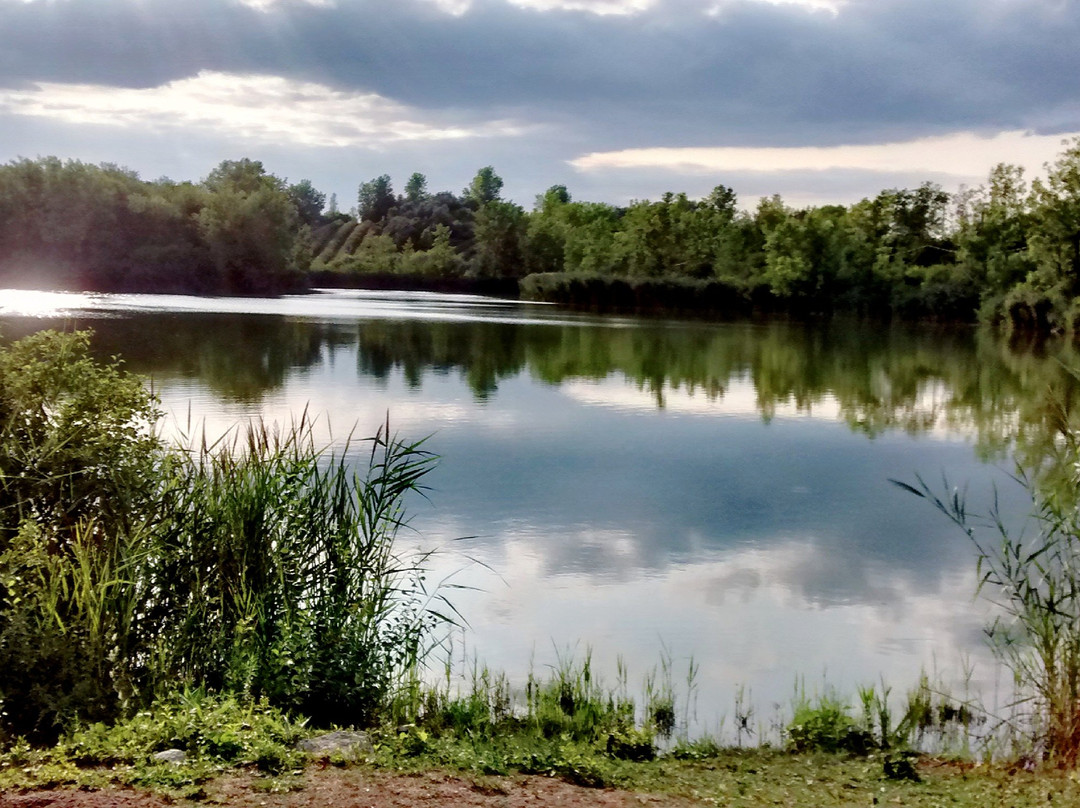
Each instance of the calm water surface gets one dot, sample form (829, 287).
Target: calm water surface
(638, 487)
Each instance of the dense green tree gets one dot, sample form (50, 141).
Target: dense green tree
(308, 201)
(250, 225)
(499, 237)
(416, 187)
(1048, 295)
(241, 176)
(485, 187)
(992, 236)
(375, 199)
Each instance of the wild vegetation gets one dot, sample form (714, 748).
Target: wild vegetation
(224, 599)
(1033, 576)
(1003, 252)
(260, 566)
(69, 225)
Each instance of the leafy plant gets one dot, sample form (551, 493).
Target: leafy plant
(826, 725)
(261, 566)
(1034, 580)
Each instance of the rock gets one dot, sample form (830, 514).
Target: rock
(174, 756)
(343, 744)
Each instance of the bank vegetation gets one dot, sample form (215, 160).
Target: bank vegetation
(1007, 251)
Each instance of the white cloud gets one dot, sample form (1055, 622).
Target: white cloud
(259, 107)
(453, 7)
(831, 6)
(962, 154)
(604, 8)
(267, 5)
(598, 7)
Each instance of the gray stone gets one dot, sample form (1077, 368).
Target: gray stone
(343, 744)
(174, 756)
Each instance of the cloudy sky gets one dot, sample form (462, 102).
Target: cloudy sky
(818, 100)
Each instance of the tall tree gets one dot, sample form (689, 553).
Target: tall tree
(375, 199)
(416, 187)
(485, 187)
(308, 201)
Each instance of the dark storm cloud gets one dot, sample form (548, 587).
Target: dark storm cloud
(753, 73)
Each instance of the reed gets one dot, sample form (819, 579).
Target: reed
(1033, 577)
(261, 565)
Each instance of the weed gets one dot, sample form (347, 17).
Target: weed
(1035, 582)
(260, 565)
(825, 724)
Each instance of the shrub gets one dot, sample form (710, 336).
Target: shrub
(262, 566)
(826, 725)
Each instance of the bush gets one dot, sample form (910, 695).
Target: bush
(826, 726)
(263, 567)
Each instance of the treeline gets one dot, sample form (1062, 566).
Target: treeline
(70, 225)
(1005, 251)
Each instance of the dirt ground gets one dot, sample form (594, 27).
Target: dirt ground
(344, 788)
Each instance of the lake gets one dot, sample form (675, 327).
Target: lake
(641, 488)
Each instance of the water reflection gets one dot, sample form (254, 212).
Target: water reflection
(722, 488)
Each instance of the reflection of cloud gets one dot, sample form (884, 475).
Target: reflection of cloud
(769, 625)
(928, 412)
(414, 417)
(739, 398)
(267, 108)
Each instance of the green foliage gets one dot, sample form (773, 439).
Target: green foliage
(499, 234)
(77, 440)
(826, 725)
(250, 225)
(1034, 579)
(217, 729)
(416, 187)
(606, 293)
(262, 566)
(308, 202)
(485, 187)
(375, 198)
(77, 226)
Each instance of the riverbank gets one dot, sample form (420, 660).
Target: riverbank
(732, 777)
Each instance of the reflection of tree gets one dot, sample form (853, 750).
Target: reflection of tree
(239, 357)
(483, 352)
(1017, 394)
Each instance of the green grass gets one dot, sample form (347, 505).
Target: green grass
(702, 772)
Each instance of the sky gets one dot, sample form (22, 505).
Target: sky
(821, 101)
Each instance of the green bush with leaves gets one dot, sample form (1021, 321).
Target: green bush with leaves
(77, 439)
(260, 566)
(826, 725)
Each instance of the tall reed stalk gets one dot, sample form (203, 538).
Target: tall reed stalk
(261, 565)
(1033, 577)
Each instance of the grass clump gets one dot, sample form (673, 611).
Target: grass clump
(261, 567)
(215, 733)
(569, 723)
(825, 724)
(219, 730)
(1033, 577)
